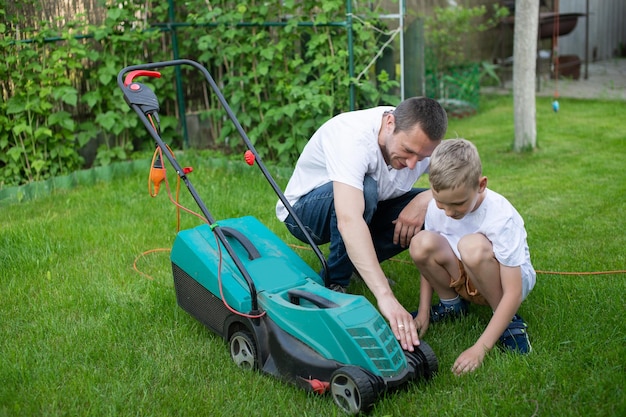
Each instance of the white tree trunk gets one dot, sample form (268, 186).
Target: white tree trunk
(524, 70)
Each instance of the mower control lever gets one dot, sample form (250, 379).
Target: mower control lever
(140, 95)
(134, 74)
(137, 94)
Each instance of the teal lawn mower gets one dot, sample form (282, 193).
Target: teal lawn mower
(275, 312)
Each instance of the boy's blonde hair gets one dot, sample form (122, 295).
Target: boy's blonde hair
(455, 162)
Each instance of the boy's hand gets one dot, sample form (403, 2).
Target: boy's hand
(411, 219)
(469, 360)
(422, 321)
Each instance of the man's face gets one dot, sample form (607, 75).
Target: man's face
(405, 149)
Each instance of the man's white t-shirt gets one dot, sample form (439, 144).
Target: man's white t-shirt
(499, 221)
(345, 149)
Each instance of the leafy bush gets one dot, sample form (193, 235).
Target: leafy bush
(282, 67)
(453, 76)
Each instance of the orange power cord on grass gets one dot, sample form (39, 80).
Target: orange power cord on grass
(619, 271)
(156, 177)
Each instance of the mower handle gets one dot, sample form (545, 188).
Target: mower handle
(144, 69)
(138, 73)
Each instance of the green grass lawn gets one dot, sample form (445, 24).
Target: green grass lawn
(83, 334)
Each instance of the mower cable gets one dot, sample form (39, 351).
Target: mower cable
(219, 282)
(176, 201)
(144, 254)
(158, 152)
(219, 278)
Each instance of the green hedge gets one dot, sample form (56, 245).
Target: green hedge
(60, 97)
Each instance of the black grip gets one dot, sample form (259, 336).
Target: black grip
(318, 300)
(253, 252)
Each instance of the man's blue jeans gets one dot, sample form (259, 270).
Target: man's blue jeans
(316, 210)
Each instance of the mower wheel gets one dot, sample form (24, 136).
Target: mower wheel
(243, 349)
(353, 390)
(425, 360)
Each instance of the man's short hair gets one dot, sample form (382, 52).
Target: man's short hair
(422, 111)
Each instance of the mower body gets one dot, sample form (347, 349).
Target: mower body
(307, 332)
(246, 285)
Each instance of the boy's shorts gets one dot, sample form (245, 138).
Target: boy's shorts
(464, 287)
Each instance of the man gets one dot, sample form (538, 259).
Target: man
(353, 187)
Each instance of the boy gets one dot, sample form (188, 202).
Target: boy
(473, 249)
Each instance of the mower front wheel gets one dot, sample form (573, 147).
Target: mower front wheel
(243, 350)
(424, 360)
(352, 389)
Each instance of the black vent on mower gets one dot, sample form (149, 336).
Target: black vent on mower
(198, 301)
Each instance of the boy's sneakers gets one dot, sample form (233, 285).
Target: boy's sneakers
(515, 337)
(440, 312)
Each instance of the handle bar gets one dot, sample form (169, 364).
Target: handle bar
(145, 70)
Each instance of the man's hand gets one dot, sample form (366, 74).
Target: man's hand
(411, 219)
(400, 321)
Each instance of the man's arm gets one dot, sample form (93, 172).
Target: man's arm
(349, 207)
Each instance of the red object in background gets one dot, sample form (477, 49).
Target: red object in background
(249, 157)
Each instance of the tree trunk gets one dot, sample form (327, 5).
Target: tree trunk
(524, 73)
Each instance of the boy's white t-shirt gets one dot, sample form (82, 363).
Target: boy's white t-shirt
(345, 149)
(499, 221)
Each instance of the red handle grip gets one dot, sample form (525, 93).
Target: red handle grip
(133, 74)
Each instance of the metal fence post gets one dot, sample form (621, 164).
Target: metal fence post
(180, 97)
(350, 52)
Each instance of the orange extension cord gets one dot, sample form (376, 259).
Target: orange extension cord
(158, 175)
(622, 271)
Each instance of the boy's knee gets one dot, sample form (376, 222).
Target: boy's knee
(475, 248)
(423, 245)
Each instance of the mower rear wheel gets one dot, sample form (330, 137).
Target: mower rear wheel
(353, 390)
(243, 350)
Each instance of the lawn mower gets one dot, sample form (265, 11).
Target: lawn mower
(277, 315)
